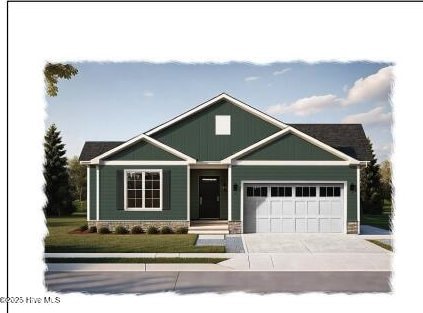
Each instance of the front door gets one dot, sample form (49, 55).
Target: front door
(209, 197)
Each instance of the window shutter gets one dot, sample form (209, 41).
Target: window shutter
(166, 190)
(120, 192)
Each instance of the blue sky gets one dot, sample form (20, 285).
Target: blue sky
(117, 101)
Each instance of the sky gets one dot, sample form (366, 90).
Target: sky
(117, 101)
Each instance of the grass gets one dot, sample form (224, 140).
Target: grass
(381, 244)
(60, 240)
(379, 220)
(135, 260)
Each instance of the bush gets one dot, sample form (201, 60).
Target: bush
(83, 227)
(137, 230)
(121, 230)
(182, 230)
(152, 230)
(92, 229)
(166, 230)
(104, 230)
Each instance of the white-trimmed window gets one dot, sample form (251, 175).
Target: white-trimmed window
(143, 189)
(223, 125)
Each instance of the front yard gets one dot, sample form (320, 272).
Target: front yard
(381, 220)
(60, 239)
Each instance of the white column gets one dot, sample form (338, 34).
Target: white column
(98, 192)
(358, 197)
(188, 193)
(88, 193)
(230, 193)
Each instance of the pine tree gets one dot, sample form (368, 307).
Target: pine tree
(56, 188)
(371, 187)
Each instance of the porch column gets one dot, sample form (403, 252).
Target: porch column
(88, 193)
(230, 193)
(98, 192)
(188, 192)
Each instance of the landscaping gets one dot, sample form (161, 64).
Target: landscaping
(66, 236)
(135, 260)
(382, 244)
(380, 220)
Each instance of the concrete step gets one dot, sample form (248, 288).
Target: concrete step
(210, 227)
(208, 231)
(207, 222)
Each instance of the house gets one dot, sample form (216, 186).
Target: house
(226, 167)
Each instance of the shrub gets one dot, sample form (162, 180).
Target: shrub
(104, 230)
(121, 230)
(182, 230)
(83, 227)
(166, 230)
(137, 230)
(152, 230)
(92, 229)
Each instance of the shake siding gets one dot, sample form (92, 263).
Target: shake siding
(93, 195)
(290, 147)
(195, 135)
(112, 194)
(295, 173)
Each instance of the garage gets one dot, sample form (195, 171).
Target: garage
(294, 208)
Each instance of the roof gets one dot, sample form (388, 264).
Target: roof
(347, 138)
(91, 149)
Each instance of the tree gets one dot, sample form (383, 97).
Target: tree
(56, 188)
(54, 71)
(371, 188)
(77, 178)
(386, 179)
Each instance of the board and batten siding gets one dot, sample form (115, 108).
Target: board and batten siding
(295, 173)
(195, 135)
(142, 151)
(112, 194)
(194, 191)
(290, 147)
(93, 195)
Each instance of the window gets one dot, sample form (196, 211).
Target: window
(256, 191)
(143, 189)
(281, 191)
(305, 191)
(330, 191)
(223, 125)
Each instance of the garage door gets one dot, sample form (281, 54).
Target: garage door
(293, 208)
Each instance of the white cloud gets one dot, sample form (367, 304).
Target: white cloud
(251, 78)
(281, 72)
(305, 106)
(345, 88)
(376, 116)
(383, 152)
(371, 88)
(148, 94)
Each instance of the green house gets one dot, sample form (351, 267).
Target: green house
(226, 167)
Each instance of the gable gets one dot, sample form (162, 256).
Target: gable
(290, 147)
(196, 136)
(144, 151)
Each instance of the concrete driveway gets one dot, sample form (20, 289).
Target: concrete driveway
(309, 244)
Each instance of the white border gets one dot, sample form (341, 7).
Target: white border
(345, 183)
(358, 200)
(125, 195)
(216, 99)
(88, 194)
(98, 192)
(188, 193)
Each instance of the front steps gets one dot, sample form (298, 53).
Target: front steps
(209, 227)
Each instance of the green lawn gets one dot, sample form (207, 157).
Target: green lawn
(381, 220)
(381, 244)
(135, 260)
(59, 240)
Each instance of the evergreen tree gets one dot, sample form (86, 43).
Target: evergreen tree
(371, 187)
(56, 188)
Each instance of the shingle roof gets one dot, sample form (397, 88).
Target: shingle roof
(91, 149)
(347, 138)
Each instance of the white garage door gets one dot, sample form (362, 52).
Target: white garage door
(293, 208)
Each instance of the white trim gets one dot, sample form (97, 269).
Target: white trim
(88, 193)
(143, 162)
(300, 134)
(209, 165)
(150, 140)
(291, 163)
(97, 185)
(230, 193)
(222, 96)
(84, 162)
(188, 193)
(345, 184)
(125, 195)
(358, 199)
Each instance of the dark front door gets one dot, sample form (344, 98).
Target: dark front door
(209, 197)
